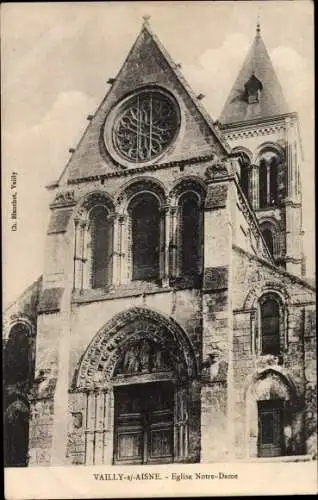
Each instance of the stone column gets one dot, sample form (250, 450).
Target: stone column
(254, 186)
(116, 248)
(90, 428)
(85, 256)
(254, 335)
(162, 244)
(121, 259)
(201, 236)
(174, 241)
(77, 257)
(268, 185)
(291, 159)
(99, 427)
(125, 250)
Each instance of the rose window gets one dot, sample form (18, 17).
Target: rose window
(145, 126)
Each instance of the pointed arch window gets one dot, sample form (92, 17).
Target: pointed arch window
(101, 235)
(145, 235)
(270, 325)
(268, 179)
(190, 233)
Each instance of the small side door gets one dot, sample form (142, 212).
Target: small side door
(270, 428)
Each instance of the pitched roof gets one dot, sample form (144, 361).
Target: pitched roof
(186, 86)
(147, 62)
(271, 100)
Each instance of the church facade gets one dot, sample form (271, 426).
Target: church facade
(173, 321)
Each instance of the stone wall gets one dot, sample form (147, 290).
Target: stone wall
(251, 278)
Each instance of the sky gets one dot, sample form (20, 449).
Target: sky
(57, 58)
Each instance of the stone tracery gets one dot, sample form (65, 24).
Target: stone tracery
(146, 127)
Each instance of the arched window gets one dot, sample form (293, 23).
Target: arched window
(190, 234)
(270, 325)
(269, 239)
(145, 232)
(244, 180)
(268, 179)
(18, 356)
(100, 228)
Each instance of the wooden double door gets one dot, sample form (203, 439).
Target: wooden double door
(144, 422)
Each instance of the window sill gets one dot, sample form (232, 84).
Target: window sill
(272, 208)
(135, 288)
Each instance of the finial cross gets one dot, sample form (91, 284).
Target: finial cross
(146, 18)
(258, 24)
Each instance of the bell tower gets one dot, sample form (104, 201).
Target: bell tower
(258, 124)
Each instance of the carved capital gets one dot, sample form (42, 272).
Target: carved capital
(112, 216)
(174, 210)
(216, 169)
(64, 199)
(164, 209)
(122, 218)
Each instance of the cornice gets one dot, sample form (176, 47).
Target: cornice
(147, 168)
(257, 121)
(254, 131)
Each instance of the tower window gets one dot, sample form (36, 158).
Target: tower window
(145, 223)
(244, 180)
(268, 179)
(253, 88)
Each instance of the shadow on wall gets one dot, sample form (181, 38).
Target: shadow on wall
(17, 376)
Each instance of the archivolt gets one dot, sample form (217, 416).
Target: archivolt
(92, 200)
(262, 288)
(188, 183)
(98, 362)
(135, 186)
(268, 146)
(242, 149)
(271, 383)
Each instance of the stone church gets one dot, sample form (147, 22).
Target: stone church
(173, 321)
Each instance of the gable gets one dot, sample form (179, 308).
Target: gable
(252, 275)
(147, 66)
